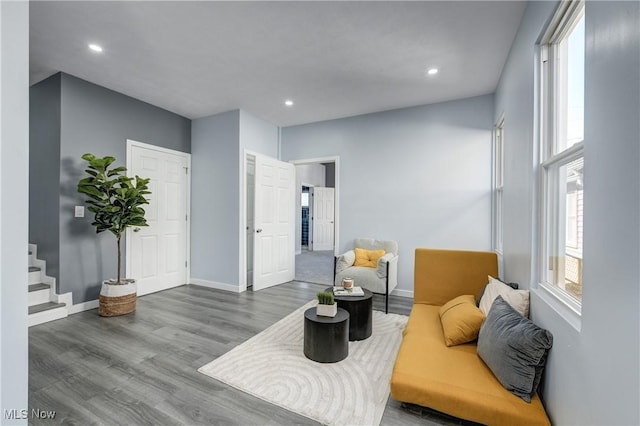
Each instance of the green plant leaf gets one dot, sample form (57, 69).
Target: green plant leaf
(114, 199)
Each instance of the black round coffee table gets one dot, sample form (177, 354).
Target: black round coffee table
(326, 339)
(360, 310)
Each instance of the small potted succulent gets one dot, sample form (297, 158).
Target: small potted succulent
(116, 200)
(327, 306)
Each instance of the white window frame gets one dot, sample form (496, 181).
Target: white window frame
(551, 157)
(498, 187)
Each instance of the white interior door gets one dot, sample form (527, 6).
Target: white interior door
(323, 218)
(274, 243)
(157, 254)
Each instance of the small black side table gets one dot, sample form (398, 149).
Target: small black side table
(360, 310)
(326, 339)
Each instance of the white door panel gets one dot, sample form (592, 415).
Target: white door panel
(323, 218)
(274, 223)
(159, 251)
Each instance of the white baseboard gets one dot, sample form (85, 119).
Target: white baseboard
(84, 306)
(403, 293)
(218, 286)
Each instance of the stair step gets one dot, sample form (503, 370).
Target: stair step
(34, 269)
(45, 307)
(38, 287)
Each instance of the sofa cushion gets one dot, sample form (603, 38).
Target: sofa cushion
(345, 260)
(441, 275)
(368, 258)
(362, 277)
(518, 299)
(514, 348)
(461, 320)
(454, 380)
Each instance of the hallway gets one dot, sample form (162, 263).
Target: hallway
(315, 267)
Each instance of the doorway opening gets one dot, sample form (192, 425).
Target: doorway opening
(317, 189)
(306, 230)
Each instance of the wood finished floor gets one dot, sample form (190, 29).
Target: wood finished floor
(140, 368)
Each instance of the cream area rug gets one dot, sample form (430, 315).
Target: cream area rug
(272, 367)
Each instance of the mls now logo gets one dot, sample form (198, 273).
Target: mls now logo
(16, 414)
(36, 413)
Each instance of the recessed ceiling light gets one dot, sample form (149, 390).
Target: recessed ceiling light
(288, 102)
(95, 48)
(432, 71)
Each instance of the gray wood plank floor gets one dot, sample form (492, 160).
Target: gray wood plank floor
(140, 368)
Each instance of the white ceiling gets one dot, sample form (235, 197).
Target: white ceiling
(333, 59)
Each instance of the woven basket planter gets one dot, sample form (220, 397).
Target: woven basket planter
(117, 299)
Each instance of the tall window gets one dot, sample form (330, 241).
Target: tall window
(562, 156)
(498, 185)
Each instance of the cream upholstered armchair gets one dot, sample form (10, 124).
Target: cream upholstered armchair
(379, 276)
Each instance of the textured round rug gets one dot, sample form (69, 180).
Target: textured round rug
(272, 367)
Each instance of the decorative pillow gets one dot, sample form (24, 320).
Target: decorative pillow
(479, 297)
(461, 320)
(345, 260)
(518, 299)
(368, 258)
(514, 348)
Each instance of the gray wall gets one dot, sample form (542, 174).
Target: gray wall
(258, 135)
(44, 170)
(14, 170)
(218, 236)
(420, 176)
(215, 198)
(330, 175)
(97, 120)
(593, 373)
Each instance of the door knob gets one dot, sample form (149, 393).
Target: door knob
(136, 229)
(259, 230)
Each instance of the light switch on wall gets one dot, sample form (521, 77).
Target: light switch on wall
(79, 211)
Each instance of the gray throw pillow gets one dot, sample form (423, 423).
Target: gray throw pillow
(514, 348)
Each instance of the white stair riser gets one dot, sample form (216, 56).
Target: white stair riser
(46, 316)
(38, 297)
(45, 295)
(35, 277)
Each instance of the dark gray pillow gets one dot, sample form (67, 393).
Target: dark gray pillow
(514, 348)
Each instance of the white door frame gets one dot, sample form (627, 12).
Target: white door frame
(242, 212)
(132, 143)
(242, 232)
(336, 160)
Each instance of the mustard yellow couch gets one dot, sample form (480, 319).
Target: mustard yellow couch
(453, 380)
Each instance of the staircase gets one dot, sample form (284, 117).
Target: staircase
(44, 304)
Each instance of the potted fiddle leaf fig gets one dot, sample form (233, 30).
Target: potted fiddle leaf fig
(116, 201)
(326, 306)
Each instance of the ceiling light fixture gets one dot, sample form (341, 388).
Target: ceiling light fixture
(288, 102)
(432, 71)
(95, 48)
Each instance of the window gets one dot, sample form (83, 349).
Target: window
(498, 185)
(562, 156)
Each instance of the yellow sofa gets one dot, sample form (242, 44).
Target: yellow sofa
(453, 380)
